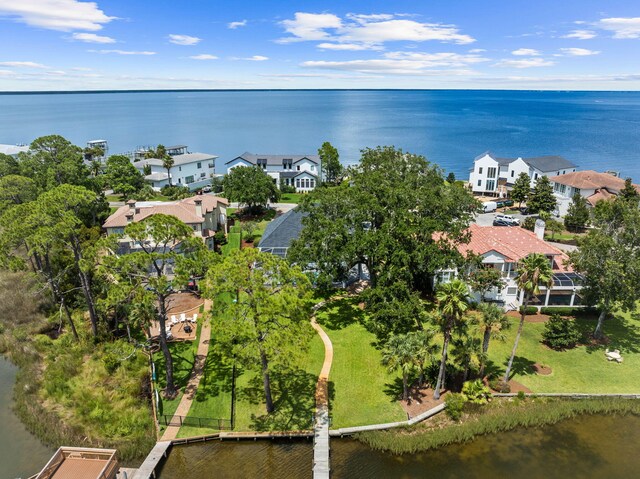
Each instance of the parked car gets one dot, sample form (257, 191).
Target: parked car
(508, 219)
(206, 189)
(497, 222)
(489, 206)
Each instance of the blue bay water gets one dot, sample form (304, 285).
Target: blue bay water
(596, 130)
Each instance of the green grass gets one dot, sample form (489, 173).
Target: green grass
(291, 198)
(362, 390)
(183, 354)
(583, 369)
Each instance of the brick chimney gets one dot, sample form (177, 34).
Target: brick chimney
(129, 216)
(132, 204)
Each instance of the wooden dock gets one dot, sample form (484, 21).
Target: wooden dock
(148, 468)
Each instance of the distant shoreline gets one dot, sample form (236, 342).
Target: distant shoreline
(235, 90)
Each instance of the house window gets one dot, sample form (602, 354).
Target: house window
(513, 172)
(576, 191)
(535, 176)
(179, 180)
(313, 168)
(188, 179)
(287, 163)
(445, 276)
(480, 170)
(479, 182)
(262, 163)
(491, 185)
(564, 172)
(491, 172)
(313, 183)
(297, 182)
(199, 165)
(512, 291)
(202, 175)
(298, 167)
(179, 168)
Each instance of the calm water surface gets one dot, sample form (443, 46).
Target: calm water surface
(590, 447)
(21, 453)
(596, 130)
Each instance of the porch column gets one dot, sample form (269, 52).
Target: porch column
(546, 299)
(573, 297)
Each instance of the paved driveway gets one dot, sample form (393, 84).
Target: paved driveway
(486, 219)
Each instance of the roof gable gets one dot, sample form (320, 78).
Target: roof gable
(283, 230)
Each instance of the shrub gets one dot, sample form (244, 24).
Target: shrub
(561, 333)
(529, 223)
(176, 192)
(521, 395)
(529, 310)
(476, 392)
(146, 193)
(454, 405)
(497, 384)
(220, 238)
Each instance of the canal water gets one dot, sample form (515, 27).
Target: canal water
(589, 447)
(21, 453)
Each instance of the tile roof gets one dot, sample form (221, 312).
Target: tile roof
(601, 194)
(184, 210)
(591, 180)
(514, 243)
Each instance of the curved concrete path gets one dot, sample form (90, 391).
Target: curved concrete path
(196, 374)
(321, 429)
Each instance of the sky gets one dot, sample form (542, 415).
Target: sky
(219, 44)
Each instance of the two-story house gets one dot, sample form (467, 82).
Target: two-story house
(502, 249)
(300, 171)
(193, 170)
(495, 176)
(591, 185)
(206, 214)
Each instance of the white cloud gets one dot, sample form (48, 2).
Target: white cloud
(621, 27)
(7, 73)
(65, 15)
(527, 52)
(23, 64)
(525, 63)
(234, 25)
(92, 38)
(184, 39)
(477, 50)
(56, 72)
(373, 29)
(348, 46)
(578, 52)
(254, 58)
(123, 52)
(580, 34)
(405, 63)
(204, 56)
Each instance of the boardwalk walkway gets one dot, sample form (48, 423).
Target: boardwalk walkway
(196, 374)
(321, 429)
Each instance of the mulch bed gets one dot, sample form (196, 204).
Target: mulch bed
(420, 400)
(515, 386)
(542, 369)
(530, 318)
(246, 244)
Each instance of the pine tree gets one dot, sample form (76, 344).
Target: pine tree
(542, 198)
(578, 213)
(629, 192)
(521, 188)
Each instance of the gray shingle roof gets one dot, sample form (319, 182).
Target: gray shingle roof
(275, 160)
(282, 230)
(549, 163)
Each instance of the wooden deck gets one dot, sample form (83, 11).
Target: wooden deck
(148, 468)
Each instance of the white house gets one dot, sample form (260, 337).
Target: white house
(13, 150)
(591, 185)
(503, 248)
(301, 171)
(494, 176)
(193, 170)
(206, 214)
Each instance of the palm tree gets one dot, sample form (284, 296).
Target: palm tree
(493, 321)
(160, 153)
(535, 271)
(453, 301)
(425, 350)
(399, 354)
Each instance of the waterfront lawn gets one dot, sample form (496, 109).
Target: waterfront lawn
(583, 369)
(290, 198)
(363, 391)
(183, 354)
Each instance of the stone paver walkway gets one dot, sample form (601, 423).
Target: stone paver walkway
(196, 374)
(321, 429)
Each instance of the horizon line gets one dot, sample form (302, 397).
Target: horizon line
(195, 90)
